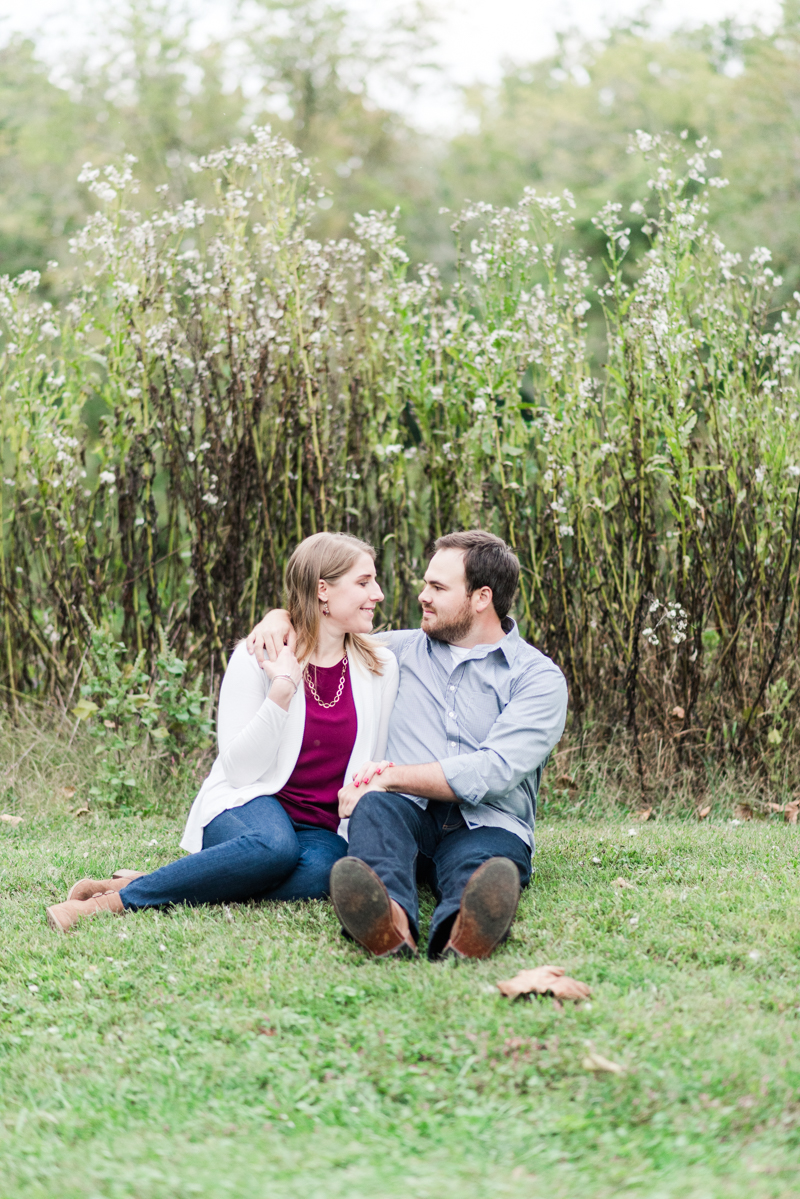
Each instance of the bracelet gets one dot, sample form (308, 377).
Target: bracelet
(286, 676)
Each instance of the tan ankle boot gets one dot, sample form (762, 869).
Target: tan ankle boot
(85, 888)
(62, 916)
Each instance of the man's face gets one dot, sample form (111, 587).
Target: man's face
(447, 612)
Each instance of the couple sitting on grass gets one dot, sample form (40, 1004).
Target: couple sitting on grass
(358, 766)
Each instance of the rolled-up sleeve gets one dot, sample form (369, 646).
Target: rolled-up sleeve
(519, 741)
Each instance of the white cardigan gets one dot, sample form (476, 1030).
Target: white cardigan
(259, 743)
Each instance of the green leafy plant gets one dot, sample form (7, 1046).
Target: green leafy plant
(256, 385)
(138, 720)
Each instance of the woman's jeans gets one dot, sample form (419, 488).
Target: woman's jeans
(251, 852)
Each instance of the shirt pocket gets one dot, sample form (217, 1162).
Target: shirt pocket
(478, 711)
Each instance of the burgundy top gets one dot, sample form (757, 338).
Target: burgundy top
(311, 796)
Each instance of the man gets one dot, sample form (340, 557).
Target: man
(478, 712)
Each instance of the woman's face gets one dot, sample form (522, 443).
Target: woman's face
(352, 598)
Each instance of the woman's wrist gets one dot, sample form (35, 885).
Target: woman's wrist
(282, 691)
(290, 678)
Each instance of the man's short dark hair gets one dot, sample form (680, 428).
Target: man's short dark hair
(488, 562)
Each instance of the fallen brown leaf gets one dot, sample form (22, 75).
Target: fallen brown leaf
(743, 811)
(790, 812)
(10, 819)
(621, 882)
(564, 780)
(645, 814)
(544, 980)
(600, 1065)
(569, 988)
(678, 712)
(703, 812)
(775, 807)
(81, 812)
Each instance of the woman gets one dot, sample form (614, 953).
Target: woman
(263, 825)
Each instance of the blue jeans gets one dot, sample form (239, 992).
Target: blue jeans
(251, 852)
(406, 844)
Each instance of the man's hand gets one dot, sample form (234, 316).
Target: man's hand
(270, 636)
(426, 779)
(351, 794)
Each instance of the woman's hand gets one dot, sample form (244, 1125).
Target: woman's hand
(351, 794)
(367, 772)
(285, 675)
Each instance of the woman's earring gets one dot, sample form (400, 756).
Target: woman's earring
(325, 609)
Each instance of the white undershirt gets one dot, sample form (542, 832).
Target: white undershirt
(459, 653)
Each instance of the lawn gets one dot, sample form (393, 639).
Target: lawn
(251, 1051)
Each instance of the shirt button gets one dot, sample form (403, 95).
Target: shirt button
(452, 688)
(452, 713)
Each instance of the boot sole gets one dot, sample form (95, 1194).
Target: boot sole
(362, 904)
(54, 924)
(488, 907)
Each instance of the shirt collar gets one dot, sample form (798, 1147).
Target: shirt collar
(508, 646)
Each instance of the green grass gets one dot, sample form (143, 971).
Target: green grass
(252, 1052)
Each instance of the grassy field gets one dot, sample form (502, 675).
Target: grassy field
(252, 1052)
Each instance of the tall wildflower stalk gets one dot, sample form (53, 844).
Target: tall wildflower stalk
(220, 384)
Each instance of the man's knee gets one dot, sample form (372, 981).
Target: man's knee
(500, 843)
(376, 807)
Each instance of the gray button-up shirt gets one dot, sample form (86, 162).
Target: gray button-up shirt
(490, 720)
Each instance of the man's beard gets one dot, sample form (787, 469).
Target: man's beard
(454, 630)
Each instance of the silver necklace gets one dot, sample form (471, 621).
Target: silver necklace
(339, 689)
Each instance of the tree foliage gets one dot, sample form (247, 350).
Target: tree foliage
(565, 122)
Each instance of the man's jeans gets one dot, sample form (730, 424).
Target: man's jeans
(405, 844)
(251, 852)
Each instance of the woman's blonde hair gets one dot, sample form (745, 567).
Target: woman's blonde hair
(326, 556)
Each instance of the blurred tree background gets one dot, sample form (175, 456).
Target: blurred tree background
(153, 83)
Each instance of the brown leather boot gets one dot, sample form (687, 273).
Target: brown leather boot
(85, 888)
(367, 912)
(62, 916)
(488, 906)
